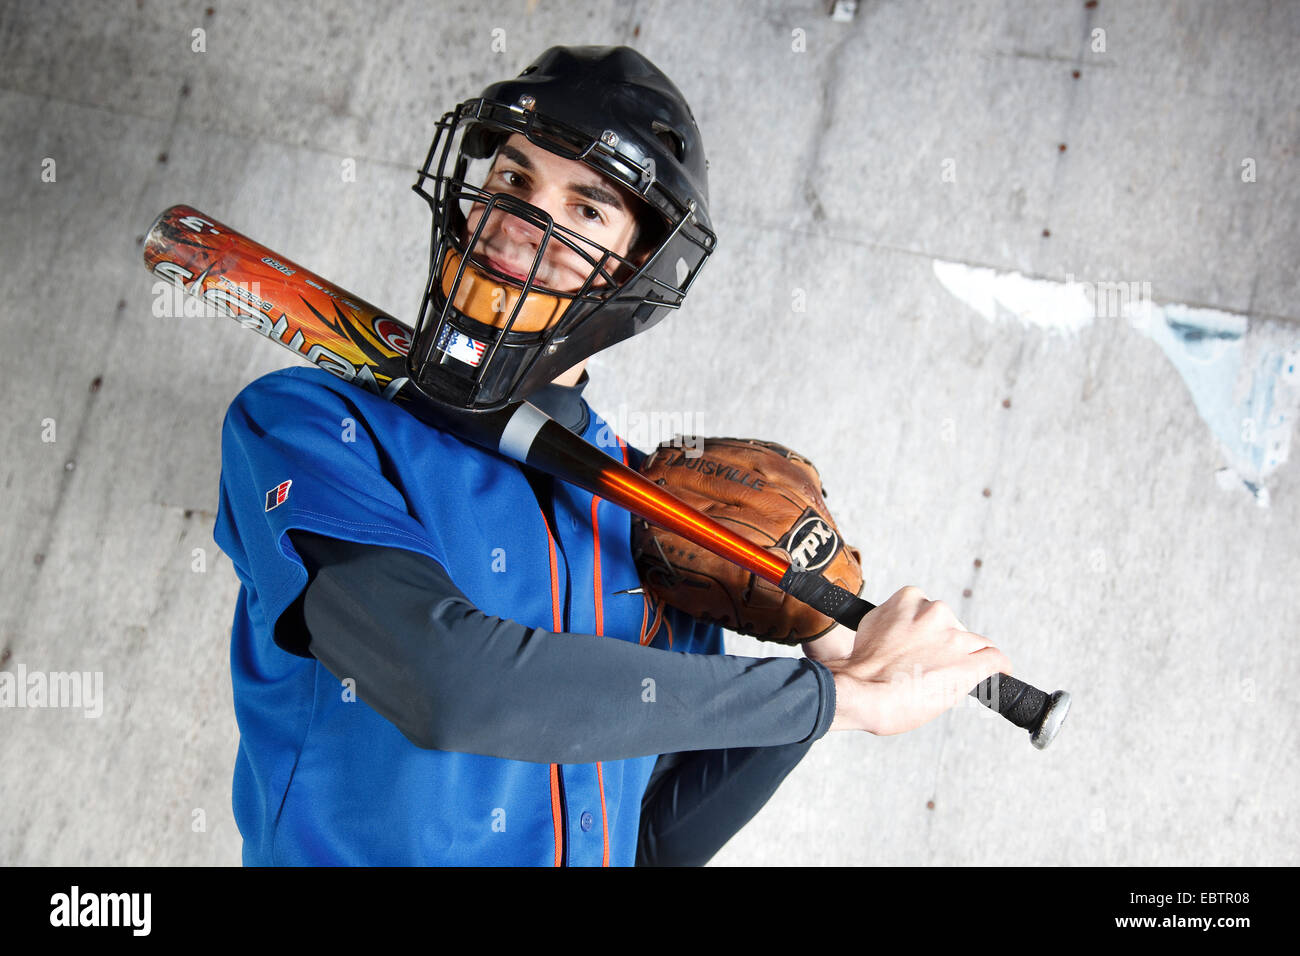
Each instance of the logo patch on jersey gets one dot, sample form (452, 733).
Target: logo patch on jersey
(278, 495)
(461, 347)
(811, 542)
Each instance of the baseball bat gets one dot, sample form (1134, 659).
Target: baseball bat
(346, 336)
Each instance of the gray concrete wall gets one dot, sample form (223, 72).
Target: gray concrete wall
(1137, 542)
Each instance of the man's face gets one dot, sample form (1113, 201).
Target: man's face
(573, 194)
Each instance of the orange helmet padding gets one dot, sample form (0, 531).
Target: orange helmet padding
(489, 300)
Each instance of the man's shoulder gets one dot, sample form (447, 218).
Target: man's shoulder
(303, 403)
(305, 392)
(294, 380)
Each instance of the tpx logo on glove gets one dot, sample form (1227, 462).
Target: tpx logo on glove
(811, 542)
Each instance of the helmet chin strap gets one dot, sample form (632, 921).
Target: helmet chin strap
(487, 299)
(571, 377)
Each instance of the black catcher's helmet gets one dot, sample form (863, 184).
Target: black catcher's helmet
(488, 334)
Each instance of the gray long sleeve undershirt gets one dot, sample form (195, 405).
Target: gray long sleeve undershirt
(453, 678)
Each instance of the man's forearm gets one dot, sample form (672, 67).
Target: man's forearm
(453, 678)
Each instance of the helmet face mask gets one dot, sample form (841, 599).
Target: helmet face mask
(515, 296)
(570, 255)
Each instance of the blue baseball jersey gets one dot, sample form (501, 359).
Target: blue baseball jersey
(320, 777)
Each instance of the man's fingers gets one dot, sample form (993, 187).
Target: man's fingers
(991, 661)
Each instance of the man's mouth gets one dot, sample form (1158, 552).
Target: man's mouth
(506, 269)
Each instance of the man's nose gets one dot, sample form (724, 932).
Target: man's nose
(519, 230)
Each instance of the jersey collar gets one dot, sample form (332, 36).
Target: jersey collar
(564, 403)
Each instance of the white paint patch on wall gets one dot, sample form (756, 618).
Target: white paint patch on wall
(1059, 307)
(1250, 408)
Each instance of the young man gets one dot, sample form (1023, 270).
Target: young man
(443, 657)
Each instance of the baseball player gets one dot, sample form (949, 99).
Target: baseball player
(442, 656)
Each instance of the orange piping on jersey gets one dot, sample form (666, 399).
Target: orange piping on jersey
(555, 814)
(654, 625)
(604, 818)
(600, 630)
(595, 563)
(647, 635)
(557, 618)
(623, 448)
(557, 626)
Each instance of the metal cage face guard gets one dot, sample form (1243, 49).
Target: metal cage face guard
(486, 338)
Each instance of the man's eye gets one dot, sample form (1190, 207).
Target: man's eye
(512, 178)
(589, 213)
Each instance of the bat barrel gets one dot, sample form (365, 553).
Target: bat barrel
(267, 292)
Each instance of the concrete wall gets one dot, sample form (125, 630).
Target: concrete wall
(915, 209)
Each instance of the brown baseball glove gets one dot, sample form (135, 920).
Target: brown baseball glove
(769, 495)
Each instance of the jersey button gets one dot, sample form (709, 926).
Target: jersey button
(573, 522)
(587, 820)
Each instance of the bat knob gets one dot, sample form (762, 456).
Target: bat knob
(1053, 717)
(1025, 706)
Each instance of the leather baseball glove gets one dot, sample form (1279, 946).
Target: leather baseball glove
(766, 493)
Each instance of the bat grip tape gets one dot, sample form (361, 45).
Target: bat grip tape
(1023, 704)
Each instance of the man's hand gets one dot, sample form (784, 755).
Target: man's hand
(911, 661)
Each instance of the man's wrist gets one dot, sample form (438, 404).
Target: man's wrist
(847, 692)
(835, 644)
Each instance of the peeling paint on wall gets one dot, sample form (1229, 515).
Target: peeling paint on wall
(1249, 397)
(1059, 307)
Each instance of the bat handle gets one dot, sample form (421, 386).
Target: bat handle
(1023, 704)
